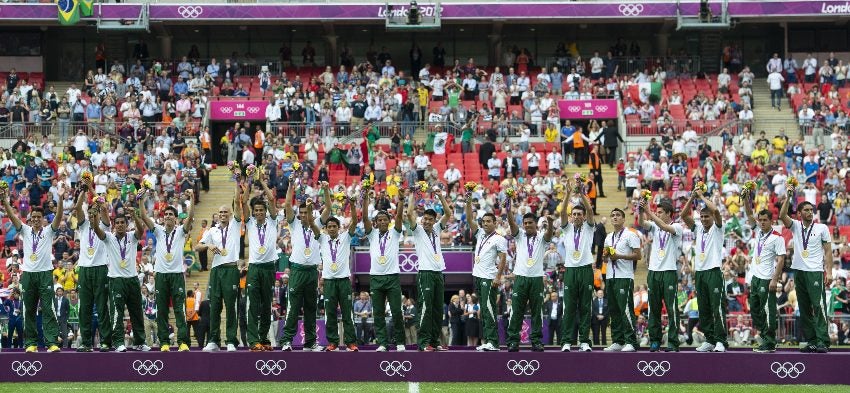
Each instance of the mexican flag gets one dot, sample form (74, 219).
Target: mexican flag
(646, 92)
(69, 13)
(86, 7)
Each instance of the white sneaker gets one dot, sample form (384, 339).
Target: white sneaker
(314, 348)
(479, 348)
(565, 348)
(381, 349)
(705, 347)
(211, 347)
(143, 348)
(400, 348)
(614, 348)
(585, 348)
(719, 348)
(488, 348)
(231, 348)
(121, 348)
(628, 348)
(286, 347)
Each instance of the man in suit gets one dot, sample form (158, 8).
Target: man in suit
(609, 137)
(599, 322)
(553, 312)
(512, 165)
(61, 307)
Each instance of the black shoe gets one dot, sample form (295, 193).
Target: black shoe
(513, 348)
(84, 349)
(822, 349)
(654, 347)
(105, 348)
(537, 348)
(671, 349)
(811, 348)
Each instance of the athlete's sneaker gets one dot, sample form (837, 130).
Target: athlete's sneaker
(231, 348)
(820, 349)
(489, 347)
(565, 348)
(352, 348)
(211, 347)
(105, 348)
(537, 348)
(121, 348)
(183, 348)
(654, 347)
(671, 348)
(512, 348)
(143, 348)
(441, 348)
(719, 347)
(32, 349)
(613, 348)
(79, 349)
(267, 347)
(585, 347)
(400, 348)
(331, 348)
(427, 349)
(313, 348)
(628, 348)
(809, 348)
(53, 348)
(286, 347)
(764, 349)
(381, 348)
(705, 347)
(165, 348)
(478, 348)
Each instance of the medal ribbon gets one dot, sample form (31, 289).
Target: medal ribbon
(383, 241)
(530, 245)
(662, 239)
(224, 236)
(262, 234)
(308, 233)
(576, 237)
(806, 235)
(433, 237)
(334, 245)
(761, 243)
(481, 244)
(702, 241)
(122, 249)
(91, 237)
(169, 240)
(36, 238)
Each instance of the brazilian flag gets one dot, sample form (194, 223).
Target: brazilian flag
(69, 13)
(86, 7)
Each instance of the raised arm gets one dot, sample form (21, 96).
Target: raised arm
(411, 213)
(748, 210)
(237, 202)
(718, 219)
(399, 214)
(78, 207)
(661, 224)
(352, 226)
(326, 209)
(60, 208)
(287, 202)
(643, 213)
(139, 224)
(367, 223)
(10, 212)
(143, 210)
(98, 230)
(565, 203)
(588, 208)
(473, 225)
(444, 220)
(245, 201)
(187, 225)
(687, 214)
(311, 223)
(550, 231)
(271, 204)
(511, 220)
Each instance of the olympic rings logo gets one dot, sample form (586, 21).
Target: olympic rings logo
(253, 109)
(408, 262)
(395, 367)
(148, 367)
(190, 11)
(601, 108)
(523, 367)
(270, 367)
(787, 369)
(26, 367)
(630, 9)
(574, 109)
(653, 367)
(225, 109)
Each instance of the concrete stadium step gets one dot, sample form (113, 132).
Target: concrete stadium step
(768, 119)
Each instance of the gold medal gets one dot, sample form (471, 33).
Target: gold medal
(334, 267)
(382, 260)
(576, 254)
(702, 256)
(805, 253)
(477, 259)
(169, 257)
(530, 263)
(437, 257)
(222, 252)
(262, 250)
(90, 252)
(123, 264)
(308, 252)
(661, 253)
(758, 260)
(33, 257)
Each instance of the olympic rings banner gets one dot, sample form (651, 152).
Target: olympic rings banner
(457, 11)
(457, 262)
(587, 109)
(238, 110)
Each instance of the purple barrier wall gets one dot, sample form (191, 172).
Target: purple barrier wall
(457, 262)
(587, 109)
(636, 9)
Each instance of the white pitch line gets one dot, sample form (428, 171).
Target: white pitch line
(413, 387)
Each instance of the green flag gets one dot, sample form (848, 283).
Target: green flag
(86, 7)
(69, 13)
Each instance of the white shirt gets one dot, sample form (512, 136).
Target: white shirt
(632, 175)
(529, 250)
(596, 65)
(533, 159)
(583, 254)
(487, 251)
(43, 251)
(177, 239)
(302, 236)
(554, 159)
(420, 162)
(428, 248)
(672, 247)
(121, 266)
(625, 242)
(816, 235)
(216, 237)
(384, 262)
(342, 247)
(774, 80)
(92, 249)
(452, 175)
(764, 260)
(810, 65)
(712, 247)
(269, 244)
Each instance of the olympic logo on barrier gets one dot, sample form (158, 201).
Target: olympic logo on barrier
(408, 262)
(630, 9)
(270, 367)
(573, 108)
(601, 108)
(225, 110)
(787, 369)
(253, 109)
(26, 367)
(148, 367)
(653, 367)
(190, 11)
(523, 367)
(395, 367)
